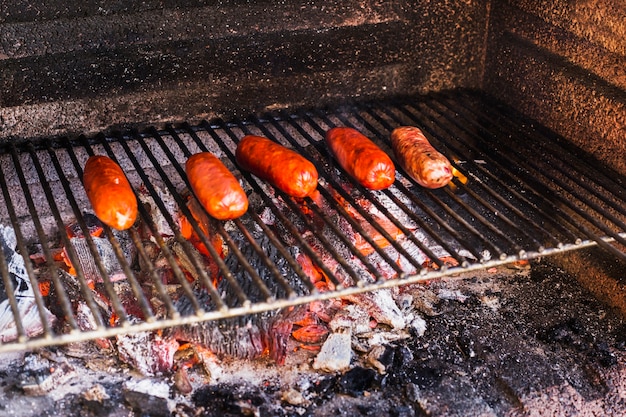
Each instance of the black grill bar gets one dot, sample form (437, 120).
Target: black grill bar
(496, 178)
(433, 196)
(191, 255)
(559, 189)
(590, 187)
(482, 202)
(43, 239)
(362, 212)
(275, 241)
(81, 280)
(529, 193)
(21, 243)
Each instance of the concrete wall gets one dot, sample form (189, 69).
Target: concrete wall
(80, 68)
(563, 63)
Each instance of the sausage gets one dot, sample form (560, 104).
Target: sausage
(109, 192)
(282, 167)
(215, 187)
(419, 159)
(361, 158)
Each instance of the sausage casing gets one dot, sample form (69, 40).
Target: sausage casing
(109, 192)
(280, 166)
(361, 158)
(215, 187)
(428, 167)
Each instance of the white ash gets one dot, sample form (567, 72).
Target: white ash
(418, 324)
(42, 375)
(22, 288)
(84, 317)
(352, 316)
(455, 295)
(156, 215)
(336, 353)
(381, 305)
(380, 338)
(147, 352)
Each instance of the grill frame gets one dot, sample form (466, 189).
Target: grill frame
(477, 119)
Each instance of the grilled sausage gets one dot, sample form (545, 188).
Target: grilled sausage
(109, 192)
(280, 166)
(361, 158)
(216, 187)
(419, 159)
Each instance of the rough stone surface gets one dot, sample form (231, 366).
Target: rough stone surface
(562, 63)
(100, 66)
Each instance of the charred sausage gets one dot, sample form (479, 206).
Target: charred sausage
(419, 159)
(361, 158)
(215, 187)
(109, 192)
(282, 167)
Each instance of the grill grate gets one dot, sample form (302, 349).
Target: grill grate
(529, 193)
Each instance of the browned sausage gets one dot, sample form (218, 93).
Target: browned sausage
(109, 192)
(215, 187)
(361, 158)
(419, 159)
(280, 166)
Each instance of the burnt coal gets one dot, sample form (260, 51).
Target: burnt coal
(358, 380)
(226, 400)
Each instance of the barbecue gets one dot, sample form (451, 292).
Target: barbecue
(349, 292)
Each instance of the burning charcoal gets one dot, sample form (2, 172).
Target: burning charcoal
(247, 336)
(103, 247)
(147, 352)
(88, 264)
(312, 333)
(23, 291)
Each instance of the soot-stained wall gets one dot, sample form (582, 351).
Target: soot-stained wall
(80, 68)
(563, 63)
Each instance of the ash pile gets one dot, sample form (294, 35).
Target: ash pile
(503, 342)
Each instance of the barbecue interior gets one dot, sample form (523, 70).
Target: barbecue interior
(526, 98)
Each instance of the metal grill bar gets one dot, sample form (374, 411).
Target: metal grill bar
(529, 193)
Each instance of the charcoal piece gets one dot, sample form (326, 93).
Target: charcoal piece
(148, 397)
(40, 375)
(228, 400)
(147, 352)
(103, 247)
(251, 335)
(358, 380)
